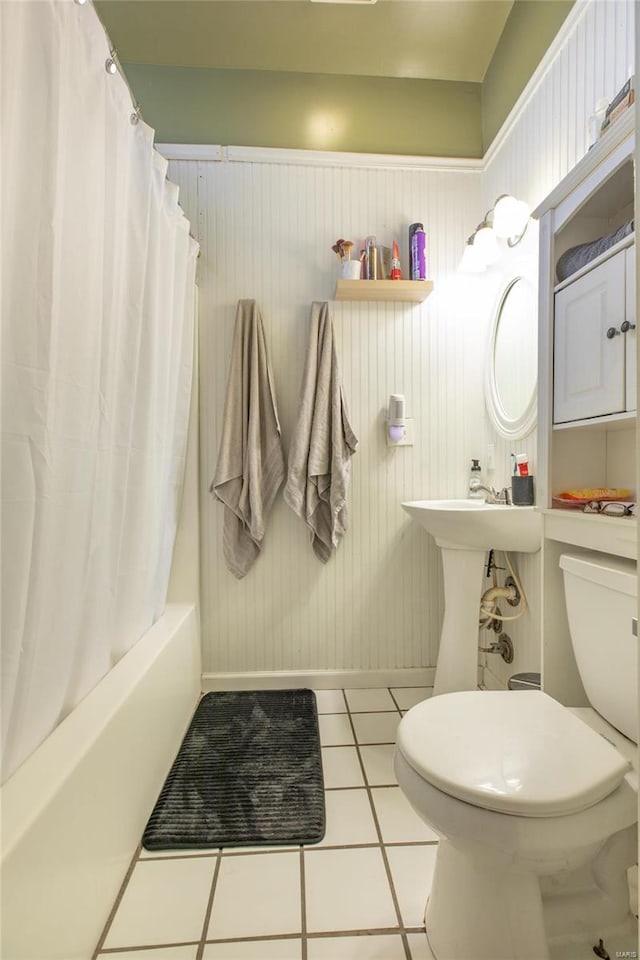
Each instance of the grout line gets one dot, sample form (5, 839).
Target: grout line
(373, 932)
(258, 938)
(394, 700)
(207, 913)
(352, 787)
(341, 713)
(383, 786)
(412, 843)
(394, 897)
(114, 908)
(309, 847)
(369, 846)
(358, 713)
(114, 951)
(178, 855)
(317, 935)
(344, 846)
(366, 743)
(242, 852)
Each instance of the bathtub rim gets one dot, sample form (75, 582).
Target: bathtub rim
(25, 796)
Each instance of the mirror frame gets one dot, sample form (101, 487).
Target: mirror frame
(520, 427)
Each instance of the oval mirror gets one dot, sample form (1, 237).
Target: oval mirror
(512, 370)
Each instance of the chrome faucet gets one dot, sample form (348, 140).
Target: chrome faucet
(492, 496)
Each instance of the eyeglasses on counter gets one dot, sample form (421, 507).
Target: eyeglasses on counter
(610, 509)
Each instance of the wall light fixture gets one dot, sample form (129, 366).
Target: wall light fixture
(507, 220)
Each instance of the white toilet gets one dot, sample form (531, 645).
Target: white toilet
(535, 803)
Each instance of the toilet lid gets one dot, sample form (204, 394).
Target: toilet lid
(517, 752)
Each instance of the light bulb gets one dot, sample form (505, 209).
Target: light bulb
(510, 218)
(504, 214)
(486, 244)
(396, 431)
(110, 66)
(472, 260)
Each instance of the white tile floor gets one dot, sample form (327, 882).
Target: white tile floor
(358, 895)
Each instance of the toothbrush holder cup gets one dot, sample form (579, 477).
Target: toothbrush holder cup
(522, 494)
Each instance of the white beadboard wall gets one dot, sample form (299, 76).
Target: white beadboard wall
(266, 231)
(544, 137)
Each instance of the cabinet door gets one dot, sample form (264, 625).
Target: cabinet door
(630, 335)
(589, 367)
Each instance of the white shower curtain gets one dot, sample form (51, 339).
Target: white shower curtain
(97, 343)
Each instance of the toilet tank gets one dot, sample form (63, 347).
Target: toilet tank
(601, 595)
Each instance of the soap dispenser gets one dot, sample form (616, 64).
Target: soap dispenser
(475, 477)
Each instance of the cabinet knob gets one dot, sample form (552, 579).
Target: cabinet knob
(612, 332)
(626, 325)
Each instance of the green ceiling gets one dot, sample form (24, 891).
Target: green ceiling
(418, 39)
(404, 76)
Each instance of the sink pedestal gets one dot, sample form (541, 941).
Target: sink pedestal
(457, 667)
(464, 530)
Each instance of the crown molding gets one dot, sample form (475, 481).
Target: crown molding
(315, 158)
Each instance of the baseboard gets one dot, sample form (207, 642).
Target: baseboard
(319, 679)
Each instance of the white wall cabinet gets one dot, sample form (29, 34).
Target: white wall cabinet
(594, 342)
(587, 337)
(586, 381)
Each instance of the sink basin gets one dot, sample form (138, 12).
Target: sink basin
(476, 525)
(464, 530)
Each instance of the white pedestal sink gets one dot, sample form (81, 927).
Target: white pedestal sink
(464, 530)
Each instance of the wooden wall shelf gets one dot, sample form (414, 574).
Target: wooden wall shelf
(407, 291)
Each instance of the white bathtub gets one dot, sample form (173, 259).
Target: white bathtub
(73, 813)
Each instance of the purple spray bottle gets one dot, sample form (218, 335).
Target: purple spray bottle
(417, 252)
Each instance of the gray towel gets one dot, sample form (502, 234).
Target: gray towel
(250, 466)
(323, 442)
(575, 258)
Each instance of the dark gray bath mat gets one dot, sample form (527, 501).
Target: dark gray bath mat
(249, 772)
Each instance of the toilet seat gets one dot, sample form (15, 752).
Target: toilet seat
(513, 752)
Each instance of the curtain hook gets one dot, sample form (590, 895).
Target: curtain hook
(110, 64)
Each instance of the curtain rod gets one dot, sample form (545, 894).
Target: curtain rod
(113, 55)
